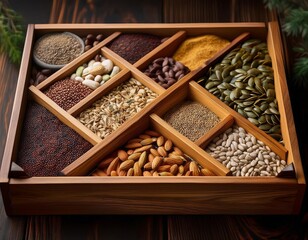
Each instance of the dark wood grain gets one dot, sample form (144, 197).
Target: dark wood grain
(150, 227)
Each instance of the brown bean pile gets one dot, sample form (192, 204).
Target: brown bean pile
(66, 93)
(90, 41)
(133, 46)
(47, 145)
(166, 71)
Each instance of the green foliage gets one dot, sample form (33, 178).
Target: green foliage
(11, 33)
(295, 25)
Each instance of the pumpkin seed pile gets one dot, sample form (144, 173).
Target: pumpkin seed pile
(244, 81)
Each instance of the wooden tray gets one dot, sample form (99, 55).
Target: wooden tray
(77, 193)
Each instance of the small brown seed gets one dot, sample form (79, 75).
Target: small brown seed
(156, 162)
(168, 145)
(188, 173)
(127, 164)
(181, 169)
(122, 155)
(99, 172)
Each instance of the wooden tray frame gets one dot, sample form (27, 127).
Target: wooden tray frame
(75, 194)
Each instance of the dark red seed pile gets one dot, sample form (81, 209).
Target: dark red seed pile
(133, 46)
(66, 93)
(47, 145)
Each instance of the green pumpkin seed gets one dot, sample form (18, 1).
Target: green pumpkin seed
(264, 106)
(262, 119)
(275, 119)
(276, 136)
(254, 121)
(248, 103)
(273, 110)
(241, 71)
(268, 119)
(239, 85)
(251, 114)
(275, 129)
(265, 127)
(243, 113)
(209, 85)
(250, 43)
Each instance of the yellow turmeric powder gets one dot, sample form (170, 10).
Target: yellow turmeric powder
(193, 52)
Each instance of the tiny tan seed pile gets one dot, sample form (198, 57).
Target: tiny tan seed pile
(191, 119)
(150, 154)
(244, 155)
(109, 113)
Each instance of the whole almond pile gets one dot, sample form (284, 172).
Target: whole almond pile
(150, 154)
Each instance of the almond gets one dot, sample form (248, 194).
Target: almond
(164, 168)
(130, 172)
(134, 156)
(156, 162)
(105, 162)
(154, 152)
(155, 174)
(137, 169)
(174, 169)
(142, 159)
(144, 136)
(151, 157)
(127, 164)
(147, 174)
(168, 145)
(194, 169)
(144, 148)
(172, 161)
(160, 141)
(122, 173)
(165, 174)
(99, 172)
(130, 151)
(188, 173)
(147, 166)
(162, 152)
(122, 155)
(147, 141)
(133, 145)
(113, 165)
(178, 151)
(113, 173)
(207, 172)
(134, 140)
(181, 169)
(152, 133)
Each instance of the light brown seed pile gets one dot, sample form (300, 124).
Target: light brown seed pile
(109, 113)
(150, 154)
(191, 119)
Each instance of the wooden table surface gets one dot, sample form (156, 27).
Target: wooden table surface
(146, 227)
